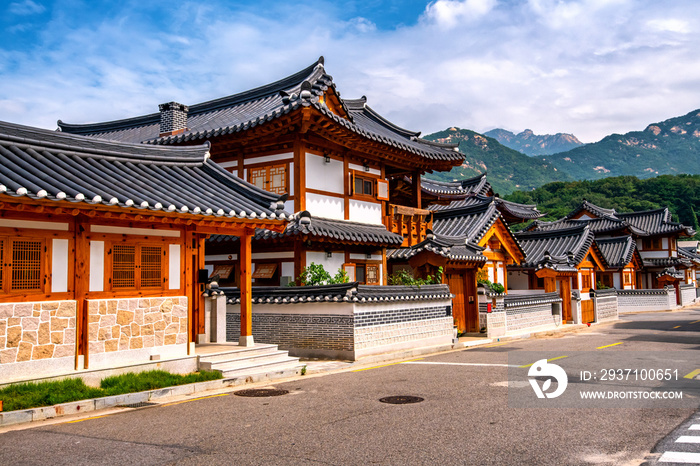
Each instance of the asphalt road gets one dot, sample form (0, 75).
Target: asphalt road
(465, 417)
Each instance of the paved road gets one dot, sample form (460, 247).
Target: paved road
(465, 417)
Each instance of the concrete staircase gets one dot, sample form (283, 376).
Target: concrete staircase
(258, 363)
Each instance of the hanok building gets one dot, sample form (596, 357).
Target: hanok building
(468, 234)
(622, 262)
(654, 233)
(101, 247)
(560, 260)
(335, 158)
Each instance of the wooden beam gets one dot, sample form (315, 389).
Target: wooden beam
(416, 189)
(245, 266)
(81, 285)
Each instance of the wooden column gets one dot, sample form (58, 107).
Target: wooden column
(244, 261)
(190, 282)
(416, 190)
(81, 285)
(299, 175)
(300, 258)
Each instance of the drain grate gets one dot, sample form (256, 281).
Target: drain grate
(261, 392)
(140, 404)
(401, 399)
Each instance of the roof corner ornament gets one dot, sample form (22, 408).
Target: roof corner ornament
(305, 93)
(304, 217)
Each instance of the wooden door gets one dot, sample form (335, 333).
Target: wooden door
(456, 283)
(565, 294)
(471, 302)
(587, 311)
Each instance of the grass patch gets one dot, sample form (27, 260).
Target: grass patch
(36, 395)
(151, 380)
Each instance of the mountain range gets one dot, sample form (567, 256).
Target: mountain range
(533, 144)
(668, 147)
(508, 170)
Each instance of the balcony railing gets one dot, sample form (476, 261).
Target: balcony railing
(409, 222)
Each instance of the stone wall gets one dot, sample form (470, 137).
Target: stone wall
(518, 313)
(646, 300)
(688, 294)
(34, 331)
(347, 330)
(605, 305)
(140, 326)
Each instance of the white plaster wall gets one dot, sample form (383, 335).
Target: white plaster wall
(617, 282)
(97, 265)
(499, 273)
(372, 257)
(59, 266)
(174, 266)
(331, 264)
(268, 158)
(288, 270)
(517, 281)
(664, 243)
(291, 183)
(324, 176)
(360, 168)
(325, 206)
(365, 212)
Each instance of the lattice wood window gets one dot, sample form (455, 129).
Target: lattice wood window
(653, 244)
(586, 281)
(272, 178)
(136, 266)
(366, 274)
(22, 265)
(372, 275)
(627, 278)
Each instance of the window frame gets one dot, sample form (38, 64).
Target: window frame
(375, 181)
(7, 243)
(138, 286)
(351, 269)
(650, 243)
(267, 179)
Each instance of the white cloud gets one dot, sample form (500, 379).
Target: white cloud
(450, 13)
(27, 7)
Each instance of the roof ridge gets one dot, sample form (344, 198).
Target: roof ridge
(383, 121)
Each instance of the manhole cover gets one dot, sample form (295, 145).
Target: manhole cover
(261, 392)
(140, 404)
(401, 399)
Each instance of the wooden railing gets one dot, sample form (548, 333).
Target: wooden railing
(409, 222)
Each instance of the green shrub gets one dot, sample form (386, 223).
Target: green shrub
(315, 275)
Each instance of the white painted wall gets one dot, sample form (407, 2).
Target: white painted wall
(499, 273)
(288, 270)
(59, 266)
(97, 265)
(325, 206)
(324, 176)
(373, 257)
(134, 231)
(664, 243)
(360, 168)
(517, 281)
(617, 280)
(332, 264)
(269, 158)
(174, 266)
(365, 212)
(291, 182)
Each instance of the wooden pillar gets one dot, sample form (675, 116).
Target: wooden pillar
(81, 285)
(190, 281)
(416, 190)
(244, 261)
(300, 258)
(299, 176)
(550, 284)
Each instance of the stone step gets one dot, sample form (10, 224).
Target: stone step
(237, 353)
(238, 360)
(266, 371)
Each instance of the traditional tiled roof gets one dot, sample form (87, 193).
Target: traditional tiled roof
(509, 209)
(592, 208)
(42, 164)
(475, 185)
(559, 249)
(617, 252)
(679, 262)
(655, 222)
(325, 229)
(454, 249)
(470, 223)
(597, 225)
(671, 272)
(347, 292)
(689, 253)
(240, 112)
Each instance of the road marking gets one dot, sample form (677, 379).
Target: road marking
(608, 346)
(386, 365)
(677, 326)
(694, 427)
(461, 364)
(194, 399)
(695, 322)
(548, 360)
(693, 374)
(496, 344)
(680, 457)
(688, 439)
(87, 419)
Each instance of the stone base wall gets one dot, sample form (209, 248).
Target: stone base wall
(36, 337)
(124, 331)
(606, 308)
(646, 300)
(495, 322)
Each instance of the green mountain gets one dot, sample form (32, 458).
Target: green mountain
(680, 193)
(669, 147)
(533, 144)
(508, 169)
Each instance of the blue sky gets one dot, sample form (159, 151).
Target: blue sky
(588, 67)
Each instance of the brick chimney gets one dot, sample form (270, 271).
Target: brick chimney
(173, 118)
